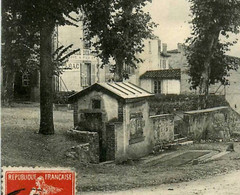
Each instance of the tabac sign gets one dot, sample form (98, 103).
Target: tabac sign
(75, 66)
(72, 66)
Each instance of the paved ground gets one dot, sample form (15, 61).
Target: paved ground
(228, 184)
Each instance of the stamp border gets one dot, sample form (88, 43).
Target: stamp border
(5, 169)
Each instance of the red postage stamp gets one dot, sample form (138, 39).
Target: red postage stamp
(38, 181)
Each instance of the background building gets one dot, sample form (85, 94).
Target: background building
(82, 69)
(177, 60)
(154, 73)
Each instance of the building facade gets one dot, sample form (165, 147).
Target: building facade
(82, 69)
(154, 73)
(177, 60)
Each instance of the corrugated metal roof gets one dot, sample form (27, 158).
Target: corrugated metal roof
(162, 74)
(123, 90)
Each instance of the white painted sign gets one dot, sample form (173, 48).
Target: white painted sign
(72, 66)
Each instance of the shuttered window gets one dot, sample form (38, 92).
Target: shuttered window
(157, 87)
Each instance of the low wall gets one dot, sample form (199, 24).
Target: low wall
(129, 149)
(92, 138)
(80, 152)
(110, 142)
(119, 144)
(163, 129)
(215, 124)
(159, 131)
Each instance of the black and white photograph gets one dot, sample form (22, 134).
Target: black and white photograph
(125, 97)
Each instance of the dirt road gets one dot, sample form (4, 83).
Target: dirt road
(228, 184)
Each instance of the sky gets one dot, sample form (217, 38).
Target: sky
(173, 19)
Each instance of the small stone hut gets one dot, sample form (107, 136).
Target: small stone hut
(119, 113)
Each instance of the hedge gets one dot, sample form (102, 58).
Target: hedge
(162, 104)
(62, 97)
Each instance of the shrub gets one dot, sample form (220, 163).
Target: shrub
(165, 104)
(62, 97)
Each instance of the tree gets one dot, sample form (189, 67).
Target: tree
(18, 46)
(213, 20)
(121, 32)
(20, 49)
(43, 15)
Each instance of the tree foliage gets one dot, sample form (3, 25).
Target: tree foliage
(120, 26)
(213, 23)
(120, 33)
(220, 65)
(41, 17)
(19, 48)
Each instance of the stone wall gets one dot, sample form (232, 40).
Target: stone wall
(80, 152)
(75, 114)
(132, 136)
(92, 138)
(163, 128)
(119, 144)
(110, 142)
(137, 134)
(108, 106)
(215, 124)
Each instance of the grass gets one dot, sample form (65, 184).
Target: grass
(22, 146)
(20, 141)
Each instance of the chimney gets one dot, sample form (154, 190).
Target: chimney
(180, 47)
(164, 48)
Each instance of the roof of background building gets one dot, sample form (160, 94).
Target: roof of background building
(165, 54)
(122, 90)
(162, 74)
(173, 51)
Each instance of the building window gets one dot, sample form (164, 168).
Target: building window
(86, 52)
(87, 45)
(164, 63)
(108, 74)
(96, 104)
(85, 74)
(128, 70)
(150, 46)
(25, 79)
(157, 87)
